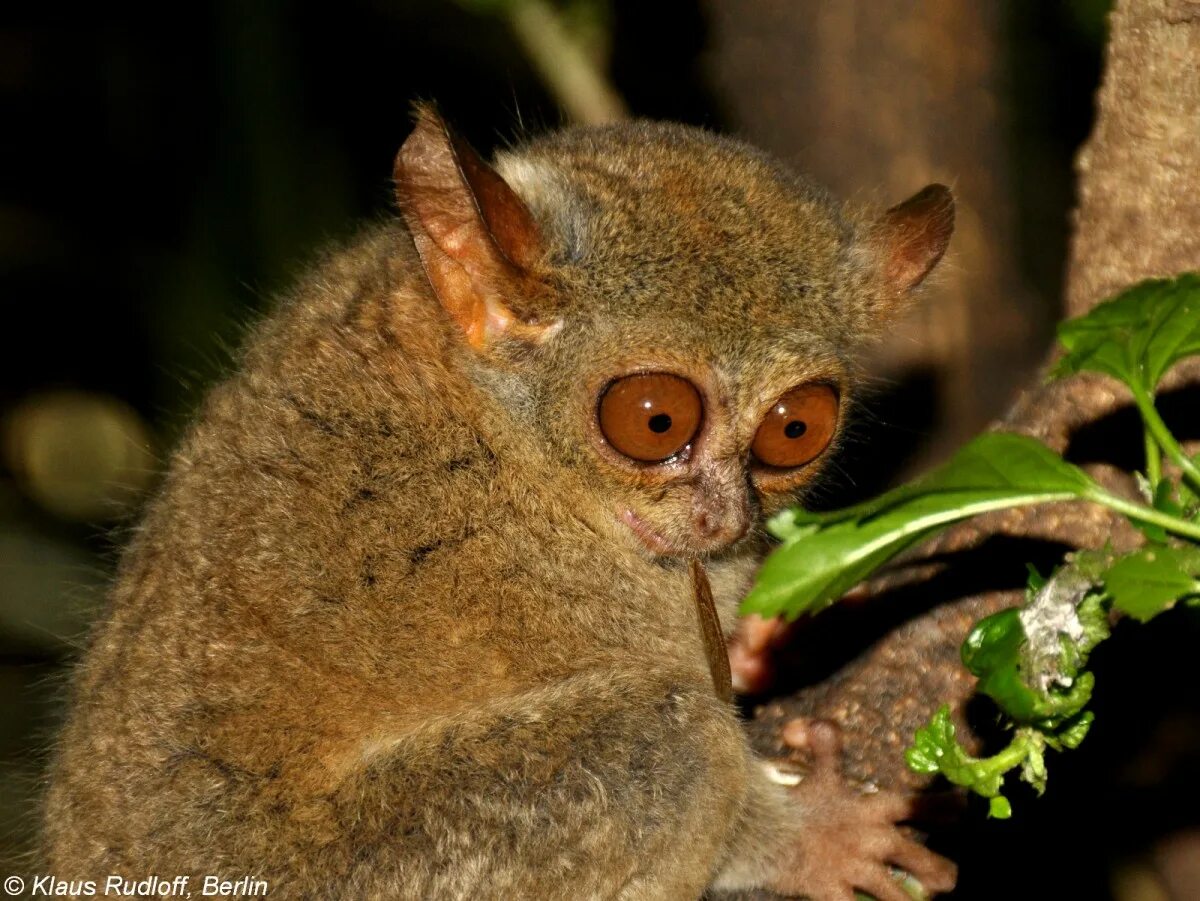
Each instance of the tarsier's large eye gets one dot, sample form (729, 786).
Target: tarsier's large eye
(798, 427)
(650, 417)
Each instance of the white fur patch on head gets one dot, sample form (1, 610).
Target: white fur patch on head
(549, 195)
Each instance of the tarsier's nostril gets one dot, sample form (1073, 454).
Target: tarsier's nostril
(737, 526)
(713, 525)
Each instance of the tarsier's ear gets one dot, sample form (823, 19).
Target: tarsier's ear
(912, 236)
(475, 236)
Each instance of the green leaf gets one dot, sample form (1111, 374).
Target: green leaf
(1072, 733)
(994, 464)
(994, 652)
(1034, 580)
(1161, 498)
(1033, 768)
(935, 749)
(1138, 335)
(1189, 497)
(811, 573)
(1093, 616)
(1146, 582)
(1164, 499)
(826, 554)
(793, 523)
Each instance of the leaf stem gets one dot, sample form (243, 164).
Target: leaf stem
(1143, 513)
(1011, 757)
(1153, 459)
(1162, 435)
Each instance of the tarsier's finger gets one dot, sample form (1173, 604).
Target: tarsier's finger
(879, 882)
(932, 870)
(890, 807)
(795, 734)
(749, 670)
(752, 652)
(805, 733)
(834, 892)
(821, 738)
(756, 632)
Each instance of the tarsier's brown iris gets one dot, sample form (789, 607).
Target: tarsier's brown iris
(798, 427)
(652, 417)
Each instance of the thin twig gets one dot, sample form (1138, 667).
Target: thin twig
(579, 86)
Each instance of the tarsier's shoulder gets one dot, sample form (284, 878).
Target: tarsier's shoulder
(364, 287)
(376, 258)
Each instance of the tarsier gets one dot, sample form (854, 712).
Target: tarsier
(415, 612)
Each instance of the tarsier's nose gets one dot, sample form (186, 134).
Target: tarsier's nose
(720, 506)
(721, 526)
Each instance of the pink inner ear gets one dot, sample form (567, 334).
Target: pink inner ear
(473, 233)
(508, 220)
(915, 235)
(446, 191)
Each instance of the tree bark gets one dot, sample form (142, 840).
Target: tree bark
(1139, 175)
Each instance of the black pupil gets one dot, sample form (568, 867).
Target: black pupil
(660, 422)
(795, 428)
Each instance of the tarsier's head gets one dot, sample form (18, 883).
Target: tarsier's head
(671, 312)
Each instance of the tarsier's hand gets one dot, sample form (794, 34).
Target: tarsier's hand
(752, 652)
(852, 841)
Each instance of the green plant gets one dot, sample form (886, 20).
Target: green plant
(1031, 660)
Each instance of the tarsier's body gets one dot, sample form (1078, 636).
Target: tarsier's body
(409, 621)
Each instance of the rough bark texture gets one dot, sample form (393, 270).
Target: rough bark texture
(887, 102)
(1139, 175)
(1138, 217)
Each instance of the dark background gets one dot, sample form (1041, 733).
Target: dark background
(168, 169)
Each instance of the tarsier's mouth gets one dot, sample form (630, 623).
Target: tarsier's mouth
(706, 611)
(651, 539)
(659, 545)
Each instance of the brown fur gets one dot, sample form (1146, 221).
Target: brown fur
(382, 633)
